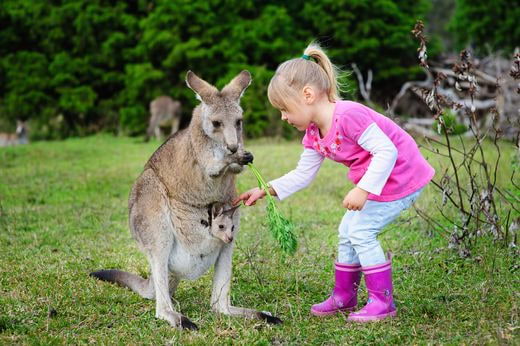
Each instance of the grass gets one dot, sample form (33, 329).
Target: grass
(63, 213)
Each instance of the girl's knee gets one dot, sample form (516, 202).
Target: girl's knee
(343, 239)
(362, 238)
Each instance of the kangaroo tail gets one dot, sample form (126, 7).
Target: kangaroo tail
(143, 287)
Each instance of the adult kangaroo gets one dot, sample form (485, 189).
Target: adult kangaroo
(164, 111)
(19, 137)
(171, 204)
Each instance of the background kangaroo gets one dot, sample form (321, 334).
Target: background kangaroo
(19, 137)
(163, 112)
(171, 202)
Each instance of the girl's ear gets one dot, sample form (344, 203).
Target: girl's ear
(308, 94)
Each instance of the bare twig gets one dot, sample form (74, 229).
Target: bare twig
(364, 88)
(482, 195)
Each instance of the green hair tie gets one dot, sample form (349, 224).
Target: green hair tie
(306, 57)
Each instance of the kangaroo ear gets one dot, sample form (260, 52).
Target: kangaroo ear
(238, 85)
(202, 88)
(231, 211)
(216, 209)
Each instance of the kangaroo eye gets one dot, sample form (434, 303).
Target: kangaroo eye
(220, 226)
(233, 228)
(216, 124)
(239, 122)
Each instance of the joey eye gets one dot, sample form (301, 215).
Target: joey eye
(239, 122)
(216, 124)
(221, 226)
(233, 228)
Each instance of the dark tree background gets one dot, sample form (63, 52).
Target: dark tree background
(82, 66)
(488, 26)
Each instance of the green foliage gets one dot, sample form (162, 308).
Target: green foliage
(374, 34)
(281, 228)
(487, 25)
(453, 127)
(26, 79)
(91, 65)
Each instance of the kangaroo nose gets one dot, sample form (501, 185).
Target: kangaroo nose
(233, 148)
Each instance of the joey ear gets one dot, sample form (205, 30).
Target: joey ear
(231, 211)
(202, 88)
(216, 209)
(238, 85)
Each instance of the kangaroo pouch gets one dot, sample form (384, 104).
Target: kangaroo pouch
(194, 249)
(192, 263)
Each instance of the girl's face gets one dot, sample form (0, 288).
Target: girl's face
(297, 115)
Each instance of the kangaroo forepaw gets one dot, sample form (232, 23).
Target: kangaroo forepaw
(266, 316)
(246, 158)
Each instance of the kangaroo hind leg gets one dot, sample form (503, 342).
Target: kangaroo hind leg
(152, 227)
(220, 295)
(164, 308)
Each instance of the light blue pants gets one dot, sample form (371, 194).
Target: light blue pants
(358, 230)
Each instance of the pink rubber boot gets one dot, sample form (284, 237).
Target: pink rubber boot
(380, 302)
(344, 295)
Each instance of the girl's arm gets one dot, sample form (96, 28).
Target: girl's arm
(300, 177)
(384, 154)
(283, 187)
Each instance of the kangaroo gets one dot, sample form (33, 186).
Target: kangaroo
(163, 112)
(19, 137)
(221, 226)
(171, 202)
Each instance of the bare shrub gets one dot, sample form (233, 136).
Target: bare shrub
(473, 204)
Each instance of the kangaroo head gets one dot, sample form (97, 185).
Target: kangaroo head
(222, 226)
(220, 111)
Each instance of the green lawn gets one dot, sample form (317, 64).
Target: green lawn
(63, 213)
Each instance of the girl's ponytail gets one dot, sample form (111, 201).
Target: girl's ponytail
(314, 51)
(292, 75)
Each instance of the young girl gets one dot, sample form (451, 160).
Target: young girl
(385, 164)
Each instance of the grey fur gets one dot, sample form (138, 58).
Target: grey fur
(186, 177)
(19, 137)
(221, 225)
(164, 111)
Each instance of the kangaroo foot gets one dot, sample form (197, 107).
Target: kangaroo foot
(269, 318)
(177, 320)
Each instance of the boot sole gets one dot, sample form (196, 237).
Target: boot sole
(364, 319)
(333, 312)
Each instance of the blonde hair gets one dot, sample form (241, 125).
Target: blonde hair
(292, 75)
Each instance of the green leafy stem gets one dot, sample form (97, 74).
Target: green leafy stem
(281, 228)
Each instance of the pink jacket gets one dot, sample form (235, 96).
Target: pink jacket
(350, 120)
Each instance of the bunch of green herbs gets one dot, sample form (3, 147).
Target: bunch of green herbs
(281, 228)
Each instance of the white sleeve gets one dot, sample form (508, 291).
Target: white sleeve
(300, 177)
(384, 155)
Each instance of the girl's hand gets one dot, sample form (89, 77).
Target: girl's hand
(250, 197)
(355, 199)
